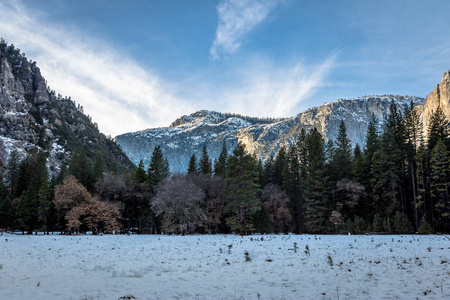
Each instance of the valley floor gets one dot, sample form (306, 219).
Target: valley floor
(216, 267)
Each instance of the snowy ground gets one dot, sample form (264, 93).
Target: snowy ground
(201, 267)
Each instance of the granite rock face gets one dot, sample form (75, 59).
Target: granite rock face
(188, 134)
(32, 115)
(439, 97)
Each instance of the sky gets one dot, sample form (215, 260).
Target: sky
(142, 64)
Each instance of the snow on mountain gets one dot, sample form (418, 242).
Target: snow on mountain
(188, 134)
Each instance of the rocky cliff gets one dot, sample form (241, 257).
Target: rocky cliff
(189, 134)
(439, 97)
(31, 115)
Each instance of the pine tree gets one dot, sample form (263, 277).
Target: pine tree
(262, 221)
(438, 129)
(387, 168)
(268, 171)
(440, 184)
(413, 136)
(7, 213)
(424, 206)
(79, 167)
(280, 166)
(294, 187)
(342, 154)
(241, 190)
(45, 205)
(140, 176)
(158, 169)
(99, 166)
(193, 166)
(221, 166)
(316, 193)
(12, 172)
(205, 164)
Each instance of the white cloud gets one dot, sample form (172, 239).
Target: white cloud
(269, 91)
(236, 19)
(119, 94)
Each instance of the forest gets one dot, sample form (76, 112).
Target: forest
(397, 183)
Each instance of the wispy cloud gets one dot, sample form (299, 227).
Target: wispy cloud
(112, 88)
(236, 19)
(272, 91)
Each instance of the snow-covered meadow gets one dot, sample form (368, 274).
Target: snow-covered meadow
(216, 267)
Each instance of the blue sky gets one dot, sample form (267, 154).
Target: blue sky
(140, 64)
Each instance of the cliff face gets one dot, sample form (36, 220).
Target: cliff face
(440, 96)
(31, 115)
(188, 134)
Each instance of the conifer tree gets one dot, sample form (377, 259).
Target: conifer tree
(7, 213)
(316, 193)
(280, 166)
(268, 171)
(438, 129)
(241, 189)
(221, 166)
(342, 154)
(99, 166)
(140, 176)
(205, 164)
(12, 172)
(294, 187)
(158, 169)
(79, 167)
(193, 166)
(440, 184)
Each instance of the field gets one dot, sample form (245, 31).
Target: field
(224, 267)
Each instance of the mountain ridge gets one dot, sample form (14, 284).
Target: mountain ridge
(188, 134)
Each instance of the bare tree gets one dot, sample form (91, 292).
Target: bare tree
(81, 208)
(179, 203)
(213, 187)
(277, 206)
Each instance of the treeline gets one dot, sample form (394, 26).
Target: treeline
(397, 183)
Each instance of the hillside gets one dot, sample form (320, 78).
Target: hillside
(32, 115)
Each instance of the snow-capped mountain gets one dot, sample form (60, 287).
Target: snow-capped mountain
(188, 134)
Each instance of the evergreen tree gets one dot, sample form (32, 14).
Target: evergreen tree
(294, 187)
(358, 171)
(413, 136)
(27, 211)
(7, 213)
(99, 166)
(45, 205)
(140, 176)
(158, 169)
(12, 172)
(280, 166)
(440, 184)
(316, 193)
(438, 129)
(262, 221)
(205, 165)
(424, 206)
(342, 154)
(387, 167)
(79, 167)
(221, 166)
(241, 190)
(268, 171)
(193, 166)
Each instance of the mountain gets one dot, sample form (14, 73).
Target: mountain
(32, 115)
(440, 96)
(188, 134)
